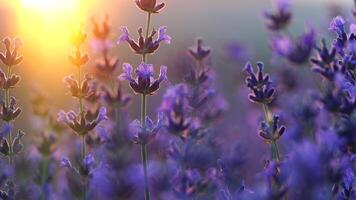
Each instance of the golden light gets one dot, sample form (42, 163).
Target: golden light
(44, 25)
(49, 5)
(49, 19)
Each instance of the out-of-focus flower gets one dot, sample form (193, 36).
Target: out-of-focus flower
(78, 59)
(82, 124)
(47, 144)
(17, 145)
(175, 107)
(77, 37)
(279, 18)
(325, 56)
(80, 91)
(66, 163)
(145, 46)
(236, 52)
(259, 84)
(336, 101)
(338, 25)
(116, 97)
(101, 31)
(10, 57)
(145, 82)
(297, 51)
(199, 52)
(87, 165)
(145, 134)
(150, 6)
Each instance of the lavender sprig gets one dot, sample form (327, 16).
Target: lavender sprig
(9, 111)
(143, 84)
(84, 121)
(263, 93)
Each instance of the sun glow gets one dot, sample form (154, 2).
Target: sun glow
(44, 24)
(49, 5)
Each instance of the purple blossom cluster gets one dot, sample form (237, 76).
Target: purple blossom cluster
(287, 132)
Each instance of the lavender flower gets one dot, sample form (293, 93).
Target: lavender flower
(176, 108)
(9, 112)
(199, 52)
(145, 134)
(338, 26)
(11, 57)
(82, 124)
(145, 45)
(273, 132)
(144, 83)
(281, 17)
(259, 84)
(297, 51)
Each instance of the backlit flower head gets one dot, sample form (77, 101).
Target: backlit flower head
(11, 112)
(77, 36)
(10, 57)
(82, 124)
(8, 82)
(145, 46)
(144, 83)
(150, 6)
(101, 32)
(85, 90)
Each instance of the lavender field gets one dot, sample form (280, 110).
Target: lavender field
(178, 100)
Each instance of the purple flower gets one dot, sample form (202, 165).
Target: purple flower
(88, 162)
(176, 108)
(338, 25)
(66, 163)
(259, 84)
(145, 82)
(145, 46)
(11, 112)
(324, 56)
(199, 52)
(145, 134)
(162, 36)
(273, 131)
(297, 51)
(281, 17)
(82, 124)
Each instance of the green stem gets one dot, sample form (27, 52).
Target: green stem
(148, 24)
(274, 146)
(83, 152)
(143, 119)
(81, 110)
(7, 105)
(144, 162)
(44, 176)
(144, 147)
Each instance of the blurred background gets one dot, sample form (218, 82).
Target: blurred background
(43, 26)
